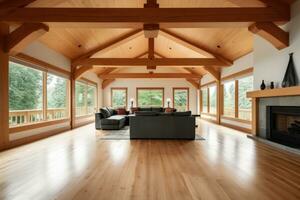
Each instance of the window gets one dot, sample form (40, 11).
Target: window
(212, 99)
(204, 99)
(25, 94)
(57, 97)
(181, 99)
(119, 97)
(85, 98)
(36, 95)
(150, 97)
(91, 99)
(236, 103)
(229, 99)
(244, 107)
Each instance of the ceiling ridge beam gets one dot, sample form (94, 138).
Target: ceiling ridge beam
(153, 62)
(109, 45)
(145, 15)
(17, 40)
(272, 33)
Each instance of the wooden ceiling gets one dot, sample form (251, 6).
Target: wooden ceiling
(227, 43)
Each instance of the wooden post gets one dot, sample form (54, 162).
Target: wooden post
(73, 103)
(255, 116)
(219, 98)
(4, 101)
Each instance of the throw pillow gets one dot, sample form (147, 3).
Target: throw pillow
(121, 111)
(169, 110)
(105, 112)
(134, 109)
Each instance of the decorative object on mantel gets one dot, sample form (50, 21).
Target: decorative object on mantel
(263, 85)
(272, 85)
(290, 77)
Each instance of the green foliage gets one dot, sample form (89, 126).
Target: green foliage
(91, 94)
(25, 87)
(229, 98)
(118, 98)
(150, 98)
(180, 99)
(213, 99)
(56, 91)
(204, 99)
(80, 96)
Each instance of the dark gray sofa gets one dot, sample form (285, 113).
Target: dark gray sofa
(108, 119)
(153, 125)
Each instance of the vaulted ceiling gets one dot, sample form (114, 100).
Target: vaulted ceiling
(227, 42)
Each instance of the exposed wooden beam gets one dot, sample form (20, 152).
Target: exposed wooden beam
(151, 52)
(17, 40)
(131, 62)
(145, 15)
(79, 72)
(194, 83)
(195, 47)
(106, 82)
(216, 74)
(109, 45)
(4, 86)
(272, 33)
(15, 3)
(150, 75)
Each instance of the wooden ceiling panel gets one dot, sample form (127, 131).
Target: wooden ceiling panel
(231, 43)
(129, 49)
(77, 41)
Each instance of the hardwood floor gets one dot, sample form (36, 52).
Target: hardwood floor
(77, 165)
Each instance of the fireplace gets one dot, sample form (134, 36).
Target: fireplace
(283, 125)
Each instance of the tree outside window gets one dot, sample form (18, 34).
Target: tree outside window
(119, 97)
(150, 97)
(181, 99)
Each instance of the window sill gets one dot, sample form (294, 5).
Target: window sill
(237, 119)
(24, 127)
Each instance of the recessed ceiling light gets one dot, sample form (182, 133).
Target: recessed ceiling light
(79, 46)
(219, 46)
(170, 48)
(130, 47)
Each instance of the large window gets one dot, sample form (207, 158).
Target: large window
(236, 103)
(150, 97)
(181, 99)
(119, 97)
(35, 95)
(212, 99)
(229, 99)
(85, 98)
(244, 107)
(204, 100)
(57, 97)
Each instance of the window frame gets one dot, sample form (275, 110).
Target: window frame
(236, 80)
(188, 96)
(150, 88)
(45, 69)
(119, 88)
(206, 87)
(86, 82)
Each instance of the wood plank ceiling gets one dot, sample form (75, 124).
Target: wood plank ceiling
(231, 43)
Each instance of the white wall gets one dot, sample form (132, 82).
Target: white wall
(167, 84)
(269, 63)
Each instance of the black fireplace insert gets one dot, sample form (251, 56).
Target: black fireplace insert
(283, 125)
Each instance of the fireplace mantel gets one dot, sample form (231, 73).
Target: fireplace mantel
(278, 92)
(256, 95)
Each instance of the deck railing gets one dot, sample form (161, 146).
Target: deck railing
(18, 117)
(243, 113)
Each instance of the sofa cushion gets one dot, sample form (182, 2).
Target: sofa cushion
(121, 111)
(186, 113)
(157, 109)
(145, 109)
(134, 109)
(166, 113)
(113, 120)
(111, 111)
(146, 113)
(105, 112)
